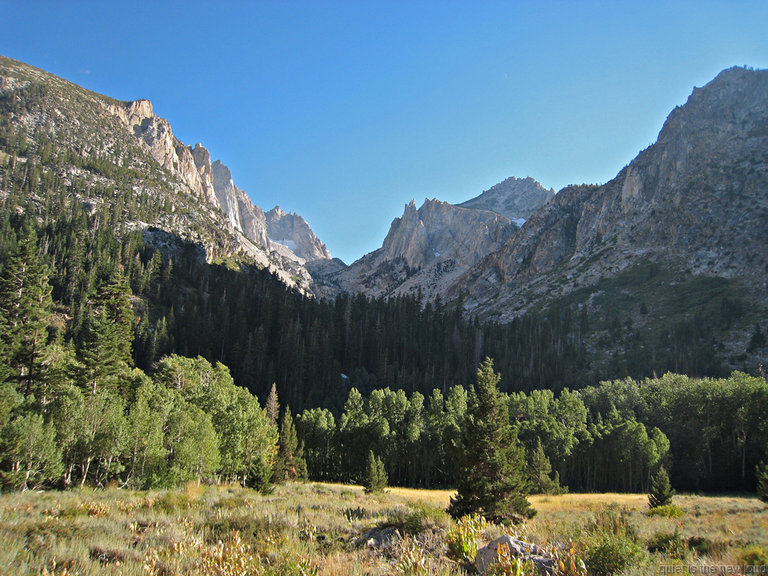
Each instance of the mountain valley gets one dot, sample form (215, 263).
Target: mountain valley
(661, 268)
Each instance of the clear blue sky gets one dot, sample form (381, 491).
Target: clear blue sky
(345, 111)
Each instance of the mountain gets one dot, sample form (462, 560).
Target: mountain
(515, 198)
(425, 252)
(102, 150)
(428, 249)
(292, 230)
(678, 239)
(662, 268)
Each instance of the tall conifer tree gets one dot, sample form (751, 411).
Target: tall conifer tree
(491, 478)
(290, 463)
(106, 350)
(25, 309)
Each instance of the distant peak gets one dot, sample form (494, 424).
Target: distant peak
(514, 198)
(220, 171)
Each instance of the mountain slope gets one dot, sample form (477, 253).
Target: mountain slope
(101, 150)
(425, 251)
(515, 198)
(693, 206)
(292, 230)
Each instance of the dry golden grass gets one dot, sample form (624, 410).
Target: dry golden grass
(311, 529)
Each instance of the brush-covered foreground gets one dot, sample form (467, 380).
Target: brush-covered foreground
(317, 528)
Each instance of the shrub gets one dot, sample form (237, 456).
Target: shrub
(462, 538)
(417, 518)
(671, 544)
(612, 543)
(666, 511)
(612, 520)
(705, 547)
(754, 556)
(610, 554)
(172, 501)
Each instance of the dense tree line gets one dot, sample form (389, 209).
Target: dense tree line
(77, 413)
(711, 433)
(103, 306)
(74, 408)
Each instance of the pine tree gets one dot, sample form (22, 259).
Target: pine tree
(290, 464)
(539, 470)
(491, 460)
(273, 406)
(375, 479)
(25, 309)
(661, 492)
(114, 298)
(106, 350)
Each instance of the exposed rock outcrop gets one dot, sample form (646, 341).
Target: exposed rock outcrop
(515, 198)
(425, 251)
(514, 548)
(124, 148)
(696, 201)
(165, 148)
(292, 230)
(243, 214)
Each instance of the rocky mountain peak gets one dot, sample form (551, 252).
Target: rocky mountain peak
(694, 202)
(515, 198)
(197, 199)
(292, 230)
(171, 154)
(424, 252)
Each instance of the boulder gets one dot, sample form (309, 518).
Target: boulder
(517, 549)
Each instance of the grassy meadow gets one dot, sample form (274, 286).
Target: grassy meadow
(318, 529)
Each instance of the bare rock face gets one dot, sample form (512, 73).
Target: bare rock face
(243, 214)
(156, 134)
(695, 200)
(202, 159)
(425, 251)
(515, 198)
(130, 140)
(292, 230)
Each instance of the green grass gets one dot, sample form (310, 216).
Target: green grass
(315, 528)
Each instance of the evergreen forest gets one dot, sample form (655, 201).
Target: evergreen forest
(124, 364)
(131, 356)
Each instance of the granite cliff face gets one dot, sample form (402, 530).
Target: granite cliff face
(515, 198)
(429, 249)
(156, 134)
(425, 251)
(291, 230)
(695, 204)
(104, 137)
(243, 214)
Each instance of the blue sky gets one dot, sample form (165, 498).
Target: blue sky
(345, 111)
